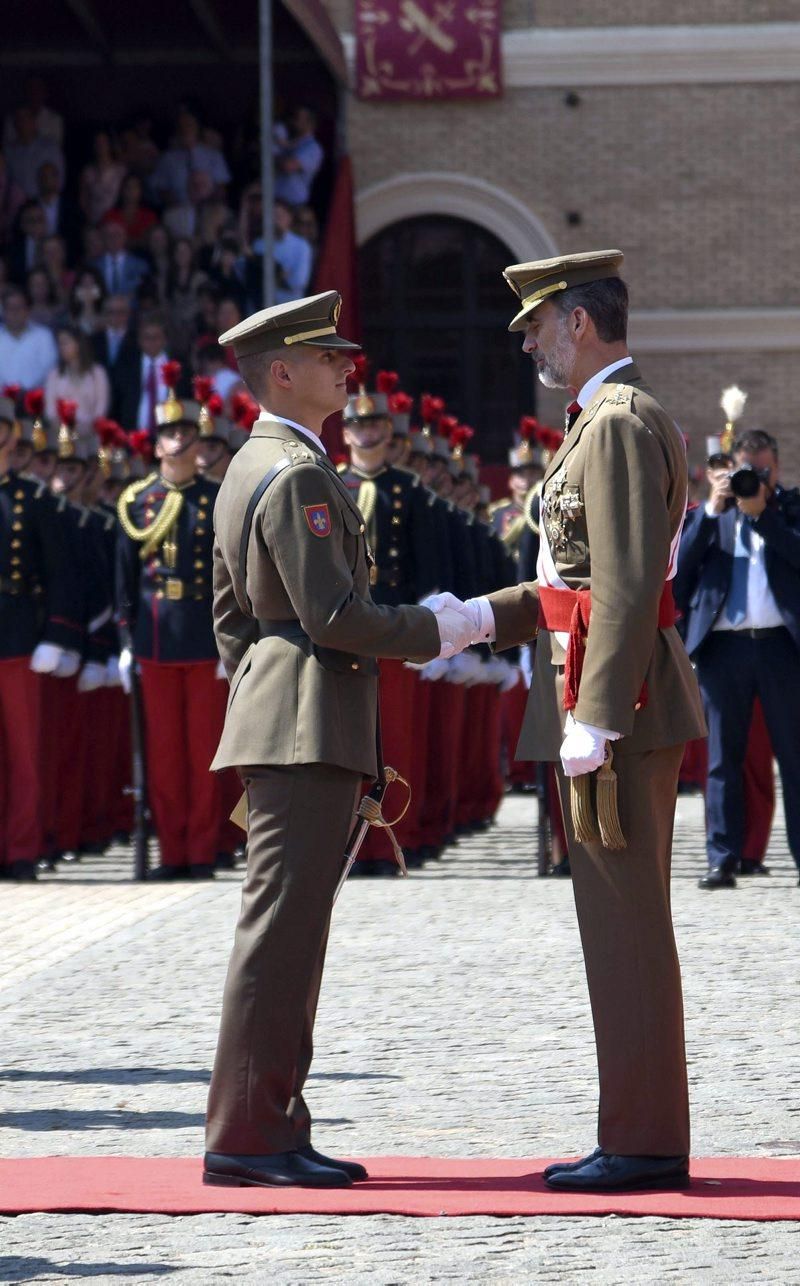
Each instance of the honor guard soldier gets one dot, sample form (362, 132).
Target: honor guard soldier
(38, 628)
(611, 671)
(164, 556)
(524, 471)
(298, 633)
(400, 535)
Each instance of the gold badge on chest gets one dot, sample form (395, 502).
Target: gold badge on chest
(562, 506)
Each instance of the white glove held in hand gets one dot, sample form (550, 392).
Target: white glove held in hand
(220, 671)
(92, 676)
(125, 664)
(112, 672)
(584, 747)
(455, 631)
(45, 658)
(68, 665)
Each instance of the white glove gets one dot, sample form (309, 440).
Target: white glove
(465, 668)
(456, 629)
(112, 672)
(584, 747)
(91, 677)
(68, 665)
(45, 658)
(125, 666)
(220, 671)
(431, 670)
(503, 673)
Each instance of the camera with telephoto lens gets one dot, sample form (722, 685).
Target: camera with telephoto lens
(745, 481)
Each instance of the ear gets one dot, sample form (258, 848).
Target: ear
(281, 373)
(580, 322)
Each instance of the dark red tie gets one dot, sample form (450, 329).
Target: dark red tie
(151, 388)
(573, 411)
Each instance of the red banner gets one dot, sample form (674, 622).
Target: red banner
(428, 49)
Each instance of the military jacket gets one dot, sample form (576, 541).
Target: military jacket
(612, 506)
(400, 533)
(164, 579)
(299, 634)
(40, 600)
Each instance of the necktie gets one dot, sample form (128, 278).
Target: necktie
(736, 602)
(573, 411)
(151, 388)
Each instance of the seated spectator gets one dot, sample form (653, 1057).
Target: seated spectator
(54, 259)
(214, 222)
(114, 340)
(29, 152)
(205, 318)
(297, 163)
(45, 310)
(211, 360)
(250, 221)
(86, 301)
(59, 213)
(77, 378)
(138, 382)
(136, 218)
(183, 283)
(122, 272)
(25, 251)
(12, 198)
(101, 179)
(738, 580)
(48, 123)
(293, 263)
(224, 270)
(158, 259)
(306, 224)
(92, 241)
(187, 153)
(139, 152)
(229, 314)
(183, 220)
(27, 352)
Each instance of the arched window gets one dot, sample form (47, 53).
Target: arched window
(436, 309)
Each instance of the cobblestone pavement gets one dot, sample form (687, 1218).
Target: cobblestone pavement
(454, 1021)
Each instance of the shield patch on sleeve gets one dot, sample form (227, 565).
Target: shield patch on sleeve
(318, 518)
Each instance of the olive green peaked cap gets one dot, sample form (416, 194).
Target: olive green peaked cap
(301, 321)
(534, 282)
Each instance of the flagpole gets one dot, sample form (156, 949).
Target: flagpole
(267, 159)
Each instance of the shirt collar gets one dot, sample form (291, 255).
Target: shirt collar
(300, 429)
(592, 385)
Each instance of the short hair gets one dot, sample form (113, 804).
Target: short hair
(16, 292)
(605, 301)
(755, 440)
(254, 370)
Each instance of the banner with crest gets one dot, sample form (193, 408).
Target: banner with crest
(428, 49)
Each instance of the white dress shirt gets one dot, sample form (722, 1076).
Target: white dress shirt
(762, 611)
(161, 388)
(309, 433)
(27, 358)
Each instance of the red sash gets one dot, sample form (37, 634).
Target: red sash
(568, 611)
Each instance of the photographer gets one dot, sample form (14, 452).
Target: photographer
(738, 582)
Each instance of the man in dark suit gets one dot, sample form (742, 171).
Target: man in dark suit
(738, 582)
(115, 343)
(122, 272)
(137, 380)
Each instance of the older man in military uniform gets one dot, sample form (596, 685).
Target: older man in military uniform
(611, 671)
(298, 634)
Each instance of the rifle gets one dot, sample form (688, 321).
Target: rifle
(138, 788)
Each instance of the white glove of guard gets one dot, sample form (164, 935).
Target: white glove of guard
(465, 668)
(431, 670)
(220, 671)
(584, 747)
(91, 677)
(112, 672)
(68, 665)
(45, 658)
(503, 673)
(125, 665)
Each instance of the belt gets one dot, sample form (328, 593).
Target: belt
(174, 589)
(757, 634)
(569, 611)
(17, 587)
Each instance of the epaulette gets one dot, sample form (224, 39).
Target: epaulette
(342, 466)
(151, 536)
(622, 395)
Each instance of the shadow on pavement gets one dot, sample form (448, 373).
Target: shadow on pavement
(46, 1119)
(25, 1269)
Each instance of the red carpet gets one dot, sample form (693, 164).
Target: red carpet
(722, 1188)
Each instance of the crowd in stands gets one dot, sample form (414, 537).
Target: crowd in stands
(146, 249)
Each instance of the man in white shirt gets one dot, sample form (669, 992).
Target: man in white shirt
(188, 153)
(738, 584)
(27, 351)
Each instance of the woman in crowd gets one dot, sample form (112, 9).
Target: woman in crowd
(77, 378)
(44, 301)
(54, 259)
(158, 256)
(136, 217)
(183, 282)
(86, 301)
(101, 179)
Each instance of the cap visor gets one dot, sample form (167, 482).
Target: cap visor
(520, 322)
(329, 341)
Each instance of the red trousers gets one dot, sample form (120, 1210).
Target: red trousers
(20, 794)
(519, 772)
(63, 753)
(439, 797)
(184, 710)
(121, 804)
(758, 783)
(101, 736)
(490, 783)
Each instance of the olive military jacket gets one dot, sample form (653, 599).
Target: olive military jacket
(300, 638)
(613, 502)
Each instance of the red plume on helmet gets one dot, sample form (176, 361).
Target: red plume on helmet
(400, 403)
(528, 427)
(460, 437)
(245, 411)
(66, 411)
(431, 409)
(387, 381)
(140, 443)
(33, 402)
(549, 439)
(12, 392)
(357, 379)
(214, 403)
(109, 432)
(202, 387)
(447, 425)
(171, 373)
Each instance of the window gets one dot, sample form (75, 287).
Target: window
(436, 309)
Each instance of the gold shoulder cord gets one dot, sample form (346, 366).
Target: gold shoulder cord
(155, 533)
(367, 503)
(536, 490)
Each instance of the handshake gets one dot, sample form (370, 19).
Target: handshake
(460, 624)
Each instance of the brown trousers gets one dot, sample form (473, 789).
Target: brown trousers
(625, 920)
(299, 819)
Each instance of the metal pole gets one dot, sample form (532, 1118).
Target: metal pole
(267, 160)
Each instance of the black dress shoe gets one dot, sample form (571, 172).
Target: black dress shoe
(281, 1170)
(166, 873)
(352, 1168)
(21, 871)
(558, 1166)
(623, 1174)
(380, 868)
(753, 868)
(201, 871)
(716, 878)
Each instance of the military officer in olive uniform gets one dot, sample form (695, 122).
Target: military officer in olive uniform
(163, 585)
(298, 633)
(611, 671)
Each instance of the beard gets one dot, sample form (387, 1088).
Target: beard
(556, 368)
